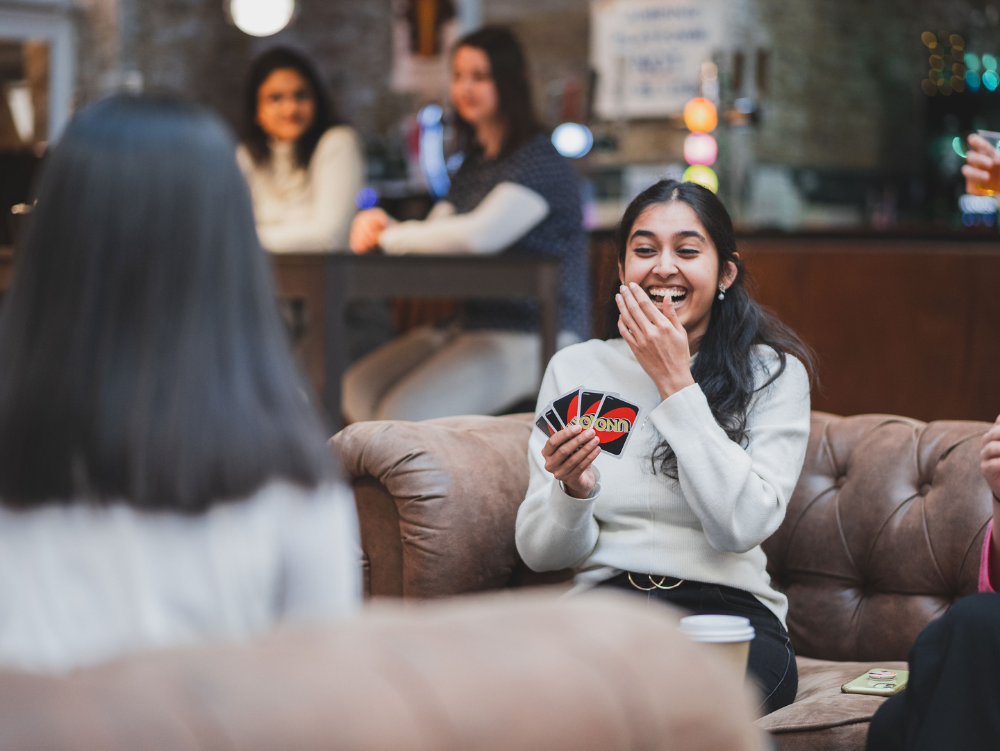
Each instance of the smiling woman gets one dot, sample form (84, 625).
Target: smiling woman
(513, 194)
(723, 391)
(304, 168)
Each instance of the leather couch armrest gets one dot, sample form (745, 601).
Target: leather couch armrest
(456, 484)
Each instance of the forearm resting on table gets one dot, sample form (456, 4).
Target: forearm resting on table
(505, 215)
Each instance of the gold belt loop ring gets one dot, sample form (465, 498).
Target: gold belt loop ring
(672, 586)
(655, 585)
(644, 589)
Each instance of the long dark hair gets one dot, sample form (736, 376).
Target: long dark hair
(142, 357)
(254, 137)
(510, 76)
(727, 361)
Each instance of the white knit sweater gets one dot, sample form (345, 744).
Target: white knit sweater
(706, 526)
(305, 210)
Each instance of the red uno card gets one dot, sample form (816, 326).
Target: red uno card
(613, 424)
(542, 424)
(567, 406)
(553, 420)
(590, 402)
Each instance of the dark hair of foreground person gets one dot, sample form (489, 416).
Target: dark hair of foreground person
(325, 116)
(142, 357)
(510, 76)
(724, 368)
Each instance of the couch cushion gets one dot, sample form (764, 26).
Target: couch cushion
(487, 673)
(456, 483)
(823, 717)
(883, 533)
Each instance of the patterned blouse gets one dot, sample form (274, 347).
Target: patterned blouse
(538, 166)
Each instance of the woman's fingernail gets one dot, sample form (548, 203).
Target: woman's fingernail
(574, 428)
(633, 285)
(622, 288)
(618, 298)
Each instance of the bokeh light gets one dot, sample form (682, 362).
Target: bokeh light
(972, 80)
(704, 176)
(956, 40)
(989, 62)
(972, 61)
(937, 62)
(366, 198)
(700, 115)
(929, 39)
(957, 83)
(928, 87)
(572, 140)
(261, 18)
(991, 80)
(700, 148)
(430, 115)
(956, 144)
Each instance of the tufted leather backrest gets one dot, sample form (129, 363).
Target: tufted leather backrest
(882, 535)
(883, 532)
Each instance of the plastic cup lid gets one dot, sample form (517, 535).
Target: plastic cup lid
(720, 629)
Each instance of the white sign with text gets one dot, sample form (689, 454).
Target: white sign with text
(648, 54)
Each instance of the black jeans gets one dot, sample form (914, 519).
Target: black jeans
(953, 697)
(772, 660)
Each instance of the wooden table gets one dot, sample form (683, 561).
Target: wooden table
(328, 282)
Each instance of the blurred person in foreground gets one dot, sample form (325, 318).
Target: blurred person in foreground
(952, 699)
(163, 475)
(515, 194)
(304, 166)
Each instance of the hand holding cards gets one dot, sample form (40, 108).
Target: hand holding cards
(606, 413)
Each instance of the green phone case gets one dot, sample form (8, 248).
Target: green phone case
(861, 684)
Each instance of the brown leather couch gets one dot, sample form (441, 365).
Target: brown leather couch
(882, 535)
(487, 673)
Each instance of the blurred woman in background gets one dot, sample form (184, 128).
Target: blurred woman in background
(163, 475)
(304, 166)
(514, 194)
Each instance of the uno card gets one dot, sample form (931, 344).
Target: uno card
(566, 406)
(553, 420)
(590, 402)
(613, 424)
(542, 424)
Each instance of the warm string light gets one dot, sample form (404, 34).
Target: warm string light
(951, 68)
(700, 148)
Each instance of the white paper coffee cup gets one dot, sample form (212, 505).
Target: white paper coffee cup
(731, 635)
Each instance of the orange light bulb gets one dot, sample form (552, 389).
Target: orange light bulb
(700, 115)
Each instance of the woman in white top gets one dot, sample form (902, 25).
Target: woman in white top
(513, 194)
(304, 168)
(714, 452)
(163, 473)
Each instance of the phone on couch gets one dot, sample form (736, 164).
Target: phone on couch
(881, 686)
